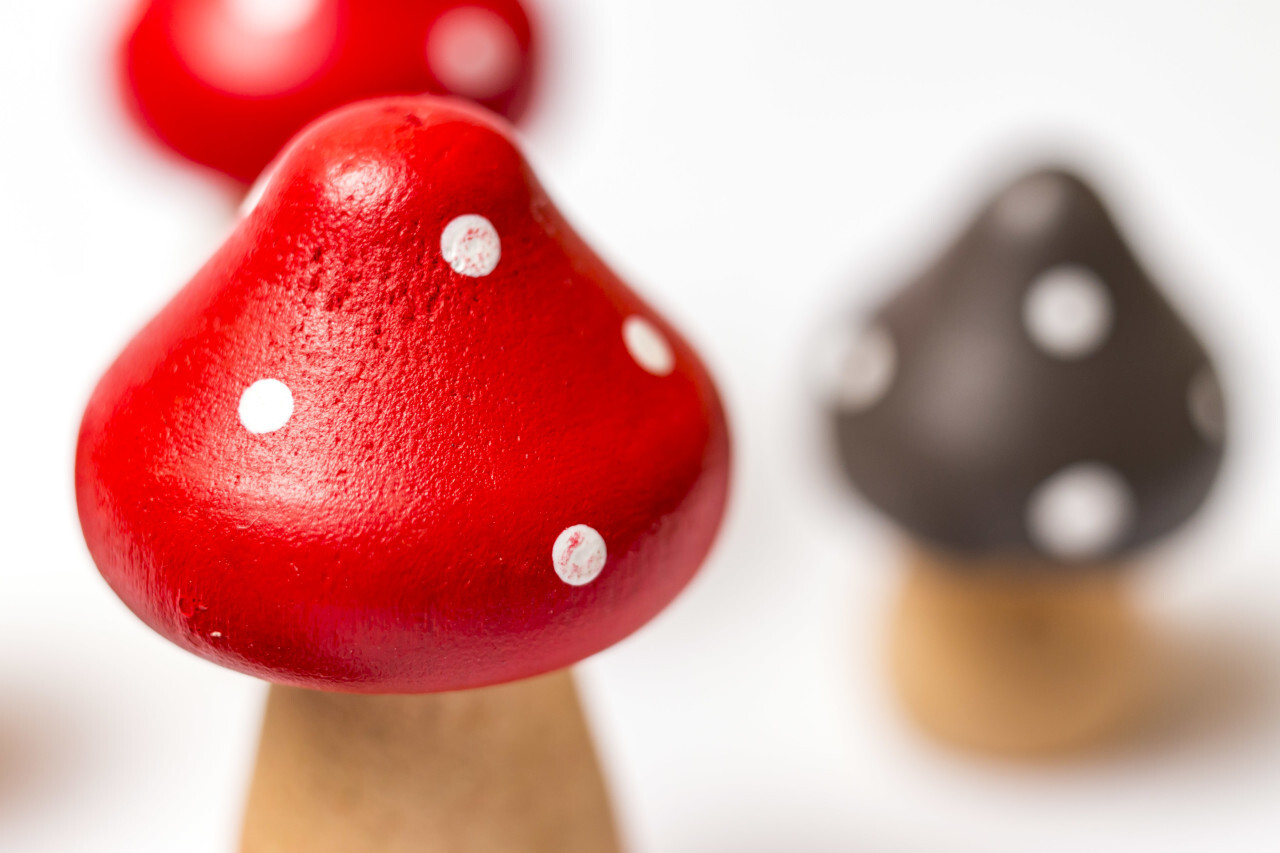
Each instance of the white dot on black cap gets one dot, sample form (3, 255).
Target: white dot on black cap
(861, 368)
(1081, 512)
(1032, 205)
(1068, 312)
(1206, 406)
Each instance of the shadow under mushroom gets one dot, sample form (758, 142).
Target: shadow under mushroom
(1218, 689)
(39, 752)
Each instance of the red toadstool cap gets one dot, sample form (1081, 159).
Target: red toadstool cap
(227, 82)
(404, 432)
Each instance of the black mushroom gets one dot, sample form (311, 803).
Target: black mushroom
(1032, 392)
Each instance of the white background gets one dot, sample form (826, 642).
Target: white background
(750, 166)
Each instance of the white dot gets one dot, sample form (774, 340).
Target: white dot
(266, 406)
(1032, 204)
(1068, 312)
(1208, 410)
(1082, 511)
(861, 367)
(273, 17)
(473, 52)
(579, 555)
(471, 245)
(648, 346)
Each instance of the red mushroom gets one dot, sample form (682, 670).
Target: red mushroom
(227, 82)
(404, 433)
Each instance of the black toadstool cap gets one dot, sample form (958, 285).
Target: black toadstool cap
(1032, 392)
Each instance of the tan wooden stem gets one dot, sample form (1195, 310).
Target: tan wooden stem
(507, 769)
(1017, 660)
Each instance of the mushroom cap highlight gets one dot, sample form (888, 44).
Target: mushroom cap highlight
(404, 431)
(226, 83)
(1032, 392)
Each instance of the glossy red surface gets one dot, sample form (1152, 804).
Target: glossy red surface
(227, 82)
(396, 533)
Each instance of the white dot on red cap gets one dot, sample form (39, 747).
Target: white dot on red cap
(1082, 511)
(1067, 312)
(273, 17)
(473, 52)
(266, 406)
(579, 555)
(471, 245)
(648, 346)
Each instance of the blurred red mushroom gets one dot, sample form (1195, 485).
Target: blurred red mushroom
(406, 434)
(226, 82)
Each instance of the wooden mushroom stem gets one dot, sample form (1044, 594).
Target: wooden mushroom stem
(508, 768)
(1017, 659)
